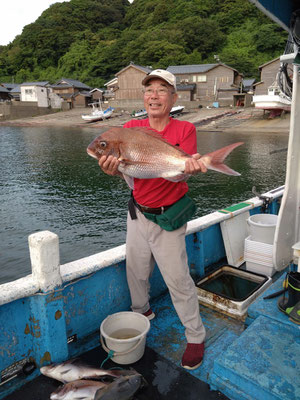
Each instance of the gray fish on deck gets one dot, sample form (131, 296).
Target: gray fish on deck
(122, 388)
(73, 370)
(144, 154)
(79, 389)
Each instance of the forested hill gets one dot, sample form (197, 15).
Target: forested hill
(91, 40)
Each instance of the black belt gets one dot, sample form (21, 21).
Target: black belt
(157, 211)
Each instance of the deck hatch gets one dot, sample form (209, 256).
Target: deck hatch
(231, 290)
(232, 285)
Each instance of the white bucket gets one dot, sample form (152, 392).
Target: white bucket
(127, 350)
(262, 227)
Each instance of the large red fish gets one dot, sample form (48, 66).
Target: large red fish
(144, 154)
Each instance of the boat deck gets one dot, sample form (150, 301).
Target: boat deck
(257, 360)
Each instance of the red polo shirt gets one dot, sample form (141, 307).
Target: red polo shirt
(159, 191)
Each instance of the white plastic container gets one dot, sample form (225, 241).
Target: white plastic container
(260, 269)
(262, 227)
(259, 257)
(130, 349)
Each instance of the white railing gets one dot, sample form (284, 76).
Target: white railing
(48, 274)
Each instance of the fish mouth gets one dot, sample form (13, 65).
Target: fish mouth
(91, 153)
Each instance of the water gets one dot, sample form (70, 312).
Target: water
(48, 182)
(125, 333)
(231, 286)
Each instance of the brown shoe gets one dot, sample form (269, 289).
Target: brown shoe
(149, 314)
(193, 355)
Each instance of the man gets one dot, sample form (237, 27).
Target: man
(146, 241)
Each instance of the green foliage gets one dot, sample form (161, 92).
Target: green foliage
(91, 40)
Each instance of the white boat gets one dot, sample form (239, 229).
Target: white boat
(176, 110)
(274, 101)
(97, 113)
(143, 113)
(139, 114)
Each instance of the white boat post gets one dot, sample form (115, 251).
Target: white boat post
(287, 232)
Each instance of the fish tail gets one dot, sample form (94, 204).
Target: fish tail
(217, 157)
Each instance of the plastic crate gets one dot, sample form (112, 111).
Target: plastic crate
(259, 257)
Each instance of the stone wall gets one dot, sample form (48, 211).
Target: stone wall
(131, 105)
(135, 105)
(22, 109)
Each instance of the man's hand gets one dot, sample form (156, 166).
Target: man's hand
(194, 165)
(109, 165)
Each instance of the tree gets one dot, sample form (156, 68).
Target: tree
(91, 40)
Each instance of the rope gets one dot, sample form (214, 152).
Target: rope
(120, 353)
(110, 355)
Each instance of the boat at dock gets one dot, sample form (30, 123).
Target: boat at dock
(176, 110)
(275, 101)
(97, 113)
(252, 349)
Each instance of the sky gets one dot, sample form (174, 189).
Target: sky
(18, 13)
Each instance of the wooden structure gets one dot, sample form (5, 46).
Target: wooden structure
(268, 72)
(74, 92)
(97, 94)
(130, 82)
(16, 93)
(82, 99)
(213, 82)
(4, 94)
(185, 91)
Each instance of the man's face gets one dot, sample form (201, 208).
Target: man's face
(159, 98)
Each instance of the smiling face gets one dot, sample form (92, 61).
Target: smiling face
(159, 98)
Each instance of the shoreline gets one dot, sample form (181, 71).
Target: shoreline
(217, 119)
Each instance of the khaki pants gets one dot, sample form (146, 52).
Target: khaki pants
(146, 243)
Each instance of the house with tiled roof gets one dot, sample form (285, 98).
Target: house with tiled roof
(9, 86)
(129, 85)
(248, 85)
(207, 82)
(15, 92)
(268, 73)
(76, 93)
(36, 92)
(97, 94)
(4, 94)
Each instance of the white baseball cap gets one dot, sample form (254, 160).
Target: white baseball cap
(161, 74)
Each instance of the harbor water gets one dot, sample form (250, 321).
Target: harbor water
(48, 182)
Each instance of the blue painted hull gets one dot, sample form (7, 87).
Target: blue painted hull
(54, 326)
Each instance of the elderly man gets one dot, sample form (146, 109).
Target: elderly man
(146, 241)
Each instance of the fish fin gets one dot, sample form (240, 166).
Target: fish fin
(178, 178)
(129, 180)
(224, 169)
(214, 160)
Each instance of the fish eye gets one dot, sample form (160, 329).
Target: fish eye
(103, 145)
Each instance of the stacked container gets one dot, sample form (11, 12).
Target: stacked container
(258, 251)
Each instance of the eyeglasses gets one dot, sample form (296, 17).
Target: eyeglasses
(160, 92)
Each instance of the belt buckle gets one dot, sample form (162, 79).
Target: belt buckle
(162, 210)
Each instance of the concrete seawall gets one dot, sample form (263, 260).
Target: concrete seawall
(216, 119)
